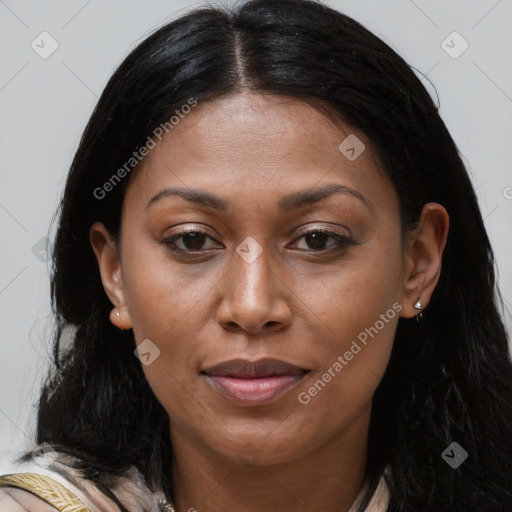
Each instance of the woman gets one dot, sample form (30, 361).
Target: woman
(273, 286)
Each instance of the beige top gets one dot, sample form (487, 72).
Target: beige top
(51, 484)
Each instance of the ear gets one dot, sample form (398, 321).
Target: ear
(423, 258)
(109, 262)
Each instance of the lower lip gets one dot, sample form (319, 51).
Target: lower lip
(258, 391)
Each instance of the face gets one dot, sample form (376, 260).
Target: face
(297, 257)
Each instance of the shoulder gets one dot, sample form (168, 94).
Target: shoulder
(374, 497)
(17, 500)
(381, 497)
(51, 483)
(49, 492)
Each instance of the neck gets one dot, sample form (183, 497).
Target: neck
(326, 479)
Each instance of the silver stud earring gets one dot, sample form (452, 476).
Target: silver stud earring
(417, 306)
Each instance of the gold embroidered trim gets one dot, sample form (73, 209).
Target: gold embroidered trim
(46, 488)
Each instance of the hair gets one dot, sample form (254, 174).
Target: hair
(449, 378)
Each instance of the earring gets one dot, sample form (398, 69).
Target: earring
(417, 307)
(118, 314)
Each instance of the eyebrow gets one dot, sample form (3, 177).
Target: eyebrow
(288, 203)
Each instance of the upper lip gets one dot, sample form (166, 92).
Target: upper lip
(243, 368)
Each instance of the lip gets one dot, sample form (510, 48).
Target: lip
(253, 383)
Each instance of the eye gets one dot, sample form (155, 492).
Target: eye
(317, 239)
(194, 240)
(190, 240)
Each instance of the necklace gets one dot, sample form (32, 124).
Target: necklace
(165, 506)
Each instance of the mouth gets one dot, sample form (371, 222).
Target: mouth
(251, 383)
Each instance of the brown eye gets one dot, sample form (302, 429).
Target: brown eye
(186, 241)
(193, 240)
(317, 239)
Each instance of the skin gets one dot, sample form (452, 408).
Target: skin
(297, 301)
(18, 500)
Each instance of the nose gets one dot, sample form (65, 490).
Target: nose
(254, 297)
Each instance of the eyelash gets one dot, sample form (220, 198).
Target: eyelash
(340, 240)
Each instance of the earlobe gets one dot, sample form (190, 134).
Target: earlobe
(109, 264)
(121, 318)
(423, 261)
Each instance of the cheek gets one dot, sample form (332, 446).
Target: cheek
(358, 308)
(165, 305)
(160, 294)
(353, 356)
(336, 394)
(353, 297)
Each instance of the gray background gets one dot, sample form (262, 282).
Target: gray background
(45, 104)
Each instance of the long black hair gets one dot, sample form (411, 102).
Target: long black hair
(449, 378)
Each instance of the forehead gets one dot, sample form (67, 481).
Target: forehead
(255, 147)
